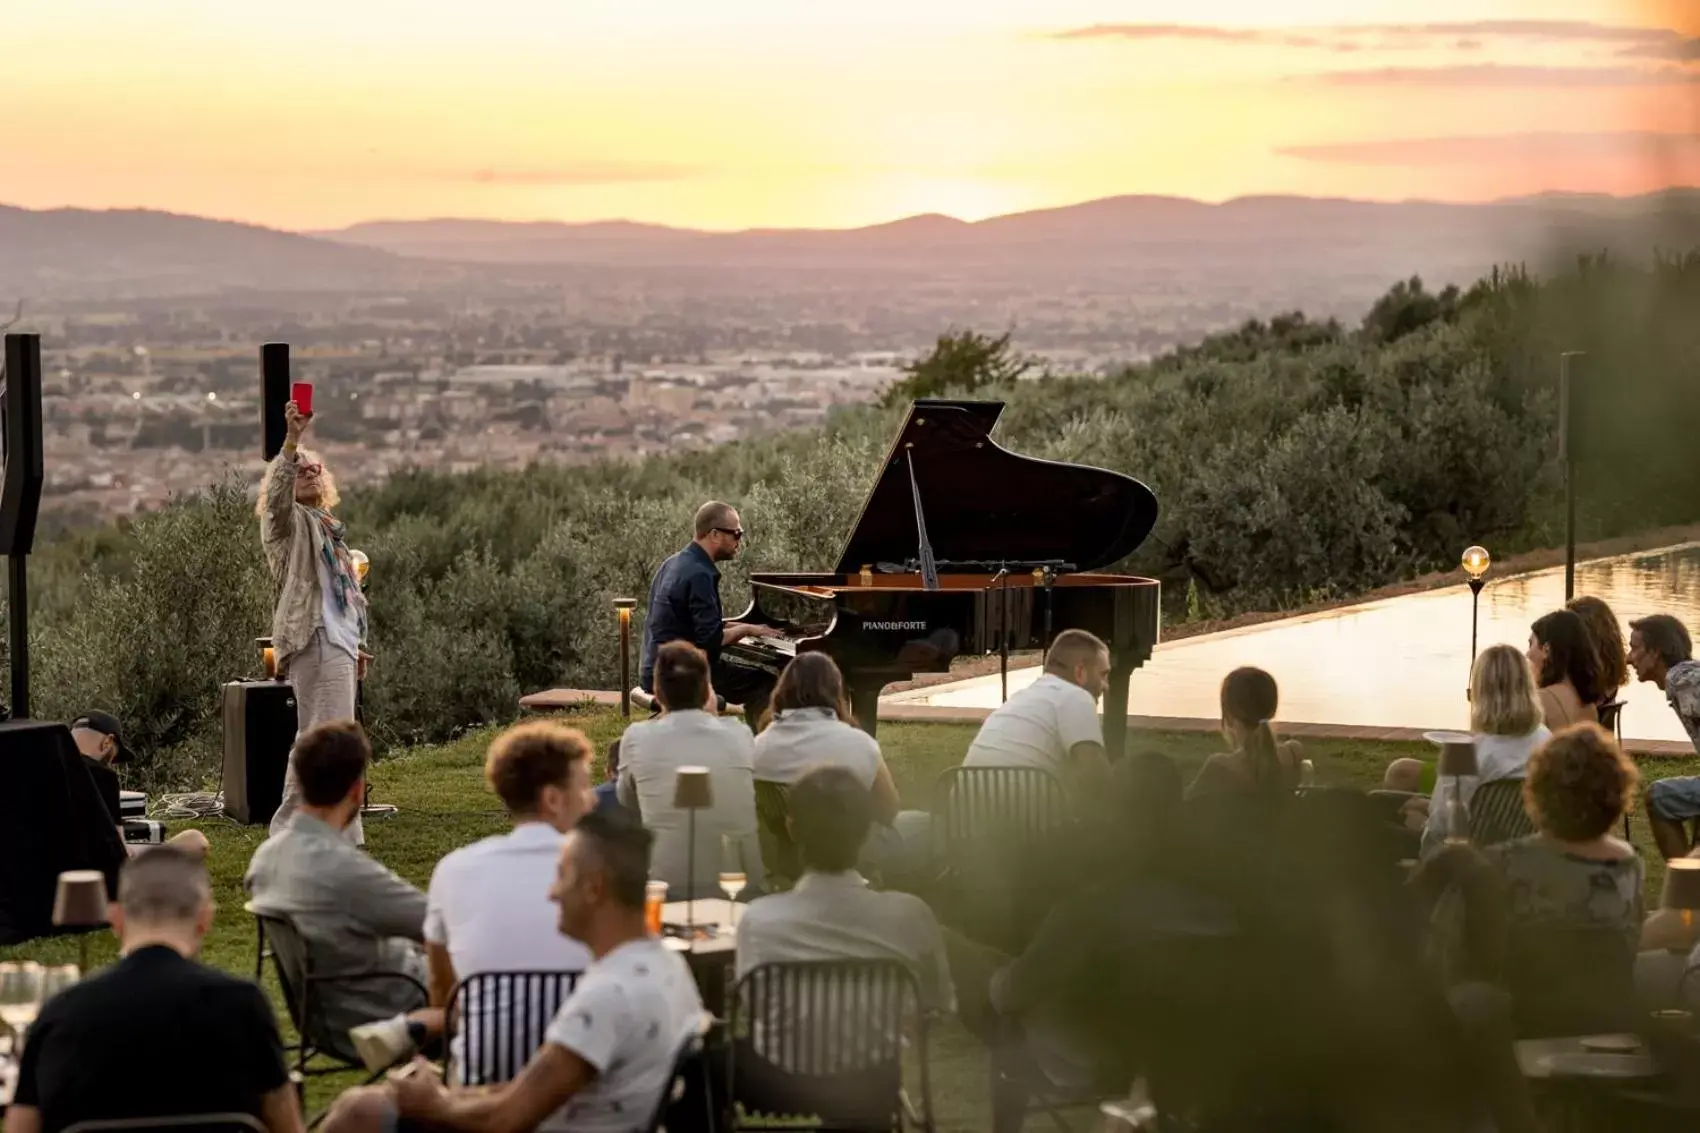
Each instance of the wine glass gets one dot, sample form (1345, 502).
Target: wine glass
(56, 979)
(733, 880)
(20, 995)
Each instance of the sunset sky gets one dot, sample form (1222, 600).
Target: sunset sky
(737, 113)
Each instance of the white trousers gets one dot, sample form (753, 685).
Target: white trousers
(324, 678)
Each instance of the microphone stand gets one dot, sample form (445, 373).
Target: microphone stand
(1001, 580)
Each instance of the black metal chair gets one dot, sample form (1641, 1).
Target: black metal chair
(1001, 837)
(1611, 719)
(205, 1122)
(686, 1104)
(1497, 814)
(820, 1046)
(779, 856)
(500, 1019)
(302, 987)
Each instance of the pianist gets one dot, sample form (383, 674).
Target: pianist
(684, 605)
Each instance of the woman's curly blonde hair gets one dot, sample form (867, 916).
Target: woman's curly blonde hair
(328, 495)
(1579, 784)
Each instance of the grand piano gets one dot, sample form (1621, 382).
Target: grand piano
(966, 549)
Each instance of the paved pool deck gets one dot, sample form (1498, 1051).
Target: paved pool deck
(568, 699)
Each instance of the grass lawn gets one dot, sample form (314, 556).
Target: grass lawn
(444, 804)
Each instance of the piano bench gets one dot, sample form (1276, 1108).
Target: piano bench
(647, 702)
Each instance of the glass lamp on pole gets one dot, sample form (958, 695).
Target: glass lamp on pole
(1476, 562)
(625, 606)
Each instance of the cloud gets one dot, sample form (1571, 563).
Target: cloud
(1479, 148)
(1653, 42)
(583, 173)
(1504, 75)
(1208, 33)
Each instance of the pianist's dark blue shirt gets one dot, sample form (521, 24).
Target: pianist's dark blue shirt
(684, 605)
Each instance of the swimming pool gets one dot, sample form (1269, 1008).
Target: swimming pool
(1398, 663)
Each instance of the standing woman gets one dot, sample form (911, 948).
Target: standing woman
(1567, 670)
(1610, 654)
(320, 620)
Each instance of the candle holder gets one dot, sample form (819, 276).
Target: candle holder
(268, 657)
(624, 607)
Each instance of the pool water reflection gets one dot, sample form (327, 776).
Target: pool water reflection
(1402, 662)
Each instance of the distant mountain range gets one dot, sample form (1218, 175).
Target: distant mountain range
(77, 253)
(1111, 229)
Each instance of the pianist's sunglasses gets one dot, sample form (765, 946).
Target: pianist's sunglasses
(735, 532)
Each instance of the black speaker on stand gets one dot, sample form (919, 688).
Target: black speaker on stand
(20, 496)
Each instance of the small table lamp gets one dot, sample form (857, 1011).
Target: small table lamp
(693, 790)
(268, 657)
(80, 903)
(1457, 759)
(1682, 888)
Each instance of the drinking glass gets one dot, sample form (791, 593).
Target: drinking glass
(654, 896)
(20, 995)
(733, 879)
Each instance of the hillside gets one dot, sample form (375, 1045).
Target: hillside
(1280, 250)
(1114, 231)
(81, 253)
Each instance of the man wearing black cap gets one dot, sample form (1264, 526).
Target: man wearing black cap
(101, 740)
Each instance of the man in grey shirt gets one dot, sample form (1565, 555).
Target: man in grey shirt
(351, 913)
(688, 735)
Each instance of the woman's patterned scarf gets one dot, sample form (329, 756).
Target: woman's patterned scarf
(345, 585)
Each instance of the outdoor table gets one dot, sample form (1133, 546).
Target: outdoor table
(1620, 1058)
(713, 949)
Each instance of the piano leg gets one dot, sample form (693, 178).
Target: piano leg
(865, 703)
(1115, 707)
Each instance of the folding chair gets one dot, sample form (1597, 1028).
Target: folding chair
(500, 1019)
(205, 1122)
(1497, 814)
(819, 1046)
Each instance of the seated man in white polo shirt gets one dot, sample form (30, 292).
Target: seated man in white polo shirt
(488, 908)
(1053, 724)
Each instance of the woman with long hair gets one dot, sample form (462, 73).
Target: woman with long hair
(1611, 656)
(1505, 716)
(319, 624)
(1567, 670)
(1258, 763)
(811, 727)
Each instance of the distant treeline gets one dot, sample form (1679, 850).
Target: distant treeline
(1295, 460)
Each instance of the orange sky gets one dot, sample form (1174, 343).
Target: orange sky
(318, 113)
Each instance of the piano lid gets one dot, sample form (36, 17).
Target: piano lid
(985, 503)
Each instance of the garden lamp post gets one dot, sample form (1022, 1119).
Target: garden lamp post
(624, 606)
(1476, 562)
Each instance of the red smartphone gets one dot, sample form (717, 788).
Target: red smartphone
(301, 393)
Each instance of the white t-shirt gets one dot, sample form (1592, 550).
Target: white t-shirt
(1037, 727)
(802, 739)
(626, 1019)
(489, 906)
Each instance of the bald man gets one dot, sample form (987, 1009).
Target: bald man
(684, 605)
